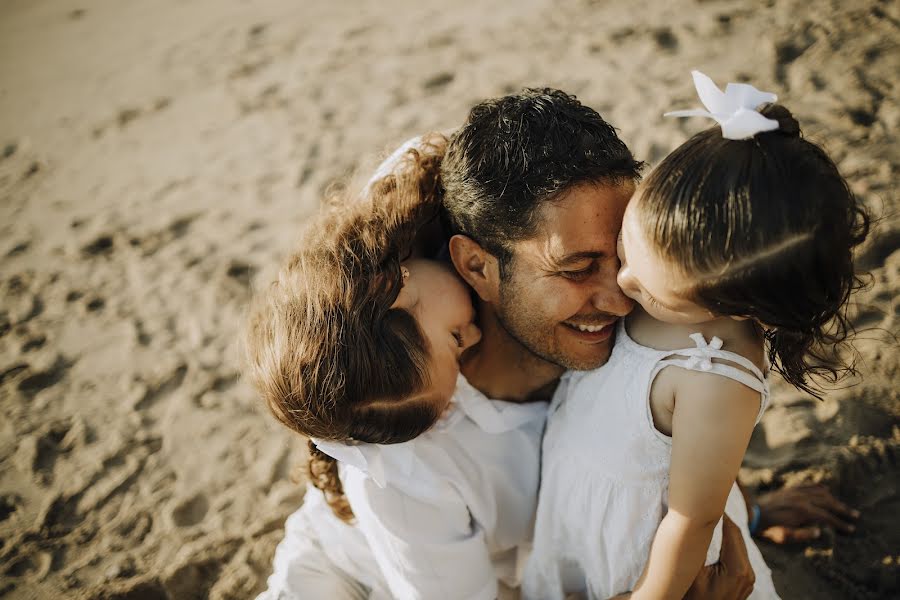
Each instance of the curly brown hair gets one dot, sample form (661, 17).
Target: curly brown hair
(324, 348)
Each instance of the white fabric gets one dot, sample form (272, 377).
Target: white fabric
(734, 109)
(448, 518)
(306, 566)
(604, 477)
(366, 457)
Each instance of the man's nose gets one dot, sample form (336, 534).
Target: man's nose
(609, 298)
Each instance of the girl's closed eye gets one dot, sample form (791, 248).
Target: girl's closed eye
(457, 335)
(656, 303)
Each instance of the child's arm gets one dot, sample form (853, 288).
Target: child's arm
(426, 545)
(711, 426)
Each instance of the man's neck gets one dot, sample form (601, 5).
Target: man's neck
(501, 368)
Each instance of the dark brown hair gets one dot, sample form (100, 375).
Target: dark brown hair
(326, 351)
(766, 228)
(518, 151)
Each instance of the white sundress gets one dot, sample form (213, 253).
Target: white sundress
(605, 474)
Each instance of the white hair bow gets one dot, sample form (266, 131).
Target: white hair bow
(734, 109)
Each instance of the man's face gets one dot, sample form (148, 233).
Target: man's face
(560, 298)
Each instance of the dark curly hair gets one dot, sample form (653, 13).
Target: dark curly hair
(515, 152)
(766, 228)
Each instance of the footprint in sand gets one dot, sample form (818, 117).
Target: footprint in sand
(37, 453)
(95, 305)
(30, 567)
(199, 567)
(789, 50)
(22, 300)
(191, 511)
(133, 589)
(46, 378)
(101, 245)
(9, 504)
(438, 82)
(163, 388)
(665, 39)
(34, 342)
(149, 243)
(136, 527)
(18, 248)
(240, 272)
(884, 241)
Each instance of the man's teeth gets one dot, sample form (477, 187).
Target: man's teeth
(589, 328)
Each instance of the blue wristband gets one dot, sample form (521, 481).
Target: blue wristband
(754, 519)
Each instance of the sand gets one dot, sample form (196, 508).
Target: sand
(157, 159)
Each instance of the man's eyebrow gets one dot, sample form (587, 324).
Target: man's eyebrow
(570, 259)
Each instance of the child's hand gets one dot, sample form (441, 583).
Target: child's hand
(732, 577)
(796, 514)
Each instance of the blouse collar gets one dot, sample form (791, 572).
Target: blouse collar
(491, 416)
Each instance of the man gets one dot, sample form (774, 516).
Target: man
(535, 188)
(536, 185)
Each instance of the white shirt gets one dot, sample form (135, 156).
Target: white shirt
(443, 515)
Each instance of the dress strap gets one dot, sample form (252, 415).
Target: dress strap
(700, 358)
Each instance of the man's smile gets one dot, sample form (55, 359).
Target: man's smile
(592, 333)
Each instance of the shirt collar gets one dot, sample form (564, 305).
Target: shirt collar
(494, 416)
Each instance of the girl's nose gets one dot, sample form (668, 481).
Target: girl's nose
(623, 278)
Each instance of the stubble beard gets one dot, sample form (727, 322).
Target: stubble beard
(537, 336)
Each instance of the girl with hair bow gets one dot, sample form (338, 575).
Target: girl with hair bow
(738, 250)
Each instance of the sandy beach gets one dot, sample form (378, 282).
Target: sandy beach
(157, 160)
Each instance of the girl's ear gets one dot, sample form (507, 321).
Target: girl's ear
(476, 266)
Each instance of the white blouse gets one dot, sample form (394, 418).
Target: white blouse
(444, 515)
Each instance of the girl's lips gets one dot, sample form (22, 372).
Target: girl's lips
(592, 337)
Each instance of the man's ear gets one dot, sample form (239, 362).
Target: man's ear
(477, 267)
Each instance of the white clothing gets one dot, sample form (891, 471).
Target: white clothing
(455, 506)
(306, 567)
(605, 474)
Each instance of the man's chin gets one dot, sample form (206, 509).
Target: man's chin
(585, 364)
(578, 359)
(578, 352)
